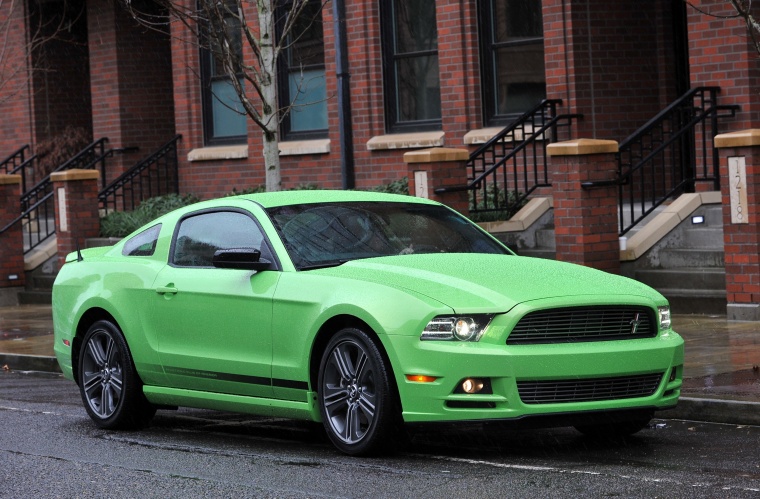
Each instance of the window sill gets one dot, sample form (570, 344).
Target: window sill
(406, 141)
(303, 147)
(483, 135)
(218, 152)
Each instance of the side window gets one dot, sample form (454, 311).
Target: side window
(143, 244)
(200, 236)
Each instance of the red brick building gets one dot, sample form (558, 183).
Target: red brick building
(617, 63)
(421, 74)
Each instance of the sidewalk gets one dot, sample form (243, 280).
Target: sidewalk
(721, 375)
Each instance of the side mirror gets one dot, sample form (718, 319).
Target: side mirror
(240, 258)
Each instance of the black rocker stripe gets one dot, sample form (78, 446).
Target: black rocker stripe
(238, 378)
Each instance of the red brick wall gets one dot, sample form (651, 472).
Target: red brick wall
(604, 60)
(82, 217)
(17, 125)
(720, 54)
(11, 241)
(132, 84)
(458, 56)
(62, 76)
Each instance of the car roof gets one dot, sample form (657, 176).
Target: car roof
(287, 198)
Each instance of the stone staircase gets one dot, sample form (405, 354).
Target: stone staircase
(686, 264)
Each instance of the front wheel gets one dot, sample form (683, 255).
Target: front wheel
(108, 382)
(355, 398)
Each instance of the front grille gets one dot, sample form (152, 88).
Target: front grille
(588, 390)
(578, 324)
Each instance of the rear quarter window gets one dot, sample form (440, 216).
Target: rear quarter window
(143, 244)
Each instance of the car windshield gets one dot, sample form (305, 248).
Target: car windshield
(323, 235)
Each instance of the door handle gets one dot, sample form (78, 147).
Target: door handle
(166, 290)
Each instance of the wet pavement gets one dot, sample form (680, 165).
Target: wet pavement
(721, 370)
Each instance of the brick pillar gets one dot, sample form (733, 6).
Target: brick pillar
(11, 241)
(431, 169)
(585, 220)
(740, 190)
(76, 209)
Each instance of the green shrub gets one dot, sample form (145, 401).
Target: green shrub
(122, 223)
(495, 196)
(400, 186)
(262, 188)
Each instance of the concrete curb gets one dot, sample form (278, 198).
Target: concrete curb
(21, 362)
(709, 410)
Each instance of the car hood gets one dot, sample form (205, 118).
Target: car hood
(471, 282)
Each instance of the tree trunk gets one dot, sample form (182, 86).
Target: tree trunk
(268, 84)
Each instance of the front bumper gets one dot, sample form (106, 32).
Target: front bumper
(590, 364)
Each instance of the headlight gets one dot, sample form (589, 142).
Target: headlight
(461, 328)
(664, 316)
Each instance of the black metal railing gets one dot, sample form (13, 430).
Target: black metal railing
(91, 157)
(504, 171)
(156, 175)
(37, 216)
(37, 222)
(11, 163)
(669, 155)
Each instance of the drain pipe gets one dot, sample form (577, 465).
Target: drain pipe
(344, 96)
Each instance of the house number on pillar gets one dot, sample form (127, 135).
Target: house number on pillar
(737, 180)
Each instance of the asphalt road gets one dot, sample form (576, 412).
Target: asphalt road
(49, 448)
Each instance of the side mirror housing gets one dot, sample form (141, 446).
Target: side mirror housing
(240, 258)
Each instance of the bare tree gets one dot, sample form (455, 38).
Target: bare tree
(22, 36)
(744, 10)
(246, 38)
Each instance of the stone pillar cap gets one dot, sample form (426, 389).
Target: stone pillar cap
(744, 138)
(10, 179)
(74, 174)
(582, 147)
(436, 154)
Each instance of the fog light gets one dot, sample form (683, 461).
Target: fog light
(472, 385)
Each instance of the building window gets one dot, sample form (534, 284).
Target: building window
(512, 49)
(301, 76)
(410, 59)
(224, 119)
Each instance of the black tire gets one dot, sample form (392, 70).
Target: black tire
(354, 394)
(618, 429)
(108, 382)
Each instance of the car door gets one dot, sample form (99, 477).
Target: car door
(214, 325)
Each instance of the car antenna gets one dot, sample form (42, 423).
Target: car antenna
(79, 253)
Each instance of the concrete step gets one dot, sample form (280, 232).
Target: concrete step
(673, 258)
(683, 302)
(546, 253)
(714, 216)
(35, 297)
(42, 282)
(545, 239)
(692, 279)
(703, 237)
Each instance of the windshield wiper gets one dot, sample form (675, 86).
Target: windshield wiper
(323, 265)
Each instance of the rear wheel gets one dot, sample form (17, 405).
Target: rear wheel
(355, 398)
(108, 382)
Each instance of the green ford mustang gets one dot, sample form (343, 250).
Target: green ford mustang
(363, 311)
